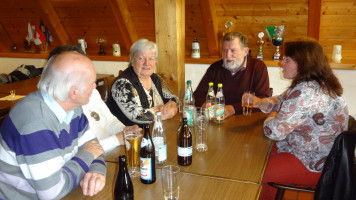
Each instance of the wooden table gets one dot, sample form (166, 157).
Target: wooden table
(27, 86)
(191, 187)
(237, 149)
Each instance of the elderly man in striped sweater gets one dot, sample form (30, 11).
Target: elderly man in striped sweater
(44, 153)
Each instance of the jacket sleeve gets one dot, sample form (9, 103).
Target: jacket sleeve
(128, 100)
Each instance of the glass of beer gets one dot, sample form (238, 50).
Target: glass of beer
(247, 103)
(132, 147)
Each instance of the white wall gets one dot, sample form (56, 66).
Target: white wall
(195, 72)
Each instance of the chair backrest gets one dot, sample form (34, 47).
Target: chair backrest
(338, 179)
(3, 113)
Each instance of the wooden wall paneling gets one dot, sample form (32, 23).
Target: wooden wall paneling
(338, 26)
(170, 37)
(314, 19)
(52, 21)
(124, 21)
(194, 28)
(5, 39)
(208, 12)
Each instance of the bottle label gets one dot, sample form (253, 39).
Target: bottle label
(185, 152)
(220, 110)
(146, 169)
(144, 142)
(189, 115)
(211, 109)
(187, 94)
(160, 148)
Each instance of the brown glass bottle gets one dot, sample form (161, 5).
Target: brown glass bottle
(185, 147)
(123, 189)
(147, 157)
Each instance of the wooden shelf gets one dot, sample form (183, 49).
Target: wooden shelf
(345, 64)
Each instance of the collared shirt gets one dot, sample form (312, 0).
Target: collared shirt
(60, 113)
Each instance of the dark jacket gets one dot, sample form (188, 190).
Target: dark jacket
(130, 75)
(338, 179)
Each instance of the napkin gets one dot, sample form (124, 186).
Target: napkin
(9, 98)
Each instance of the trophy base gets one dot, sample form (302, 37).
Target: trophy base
(276, 57)
(259, 57)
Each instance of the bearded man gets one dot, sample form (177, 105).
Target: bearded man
(238, 73)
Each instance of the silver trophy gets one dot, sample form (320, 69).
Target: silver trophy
(260, 43)
(275, 33)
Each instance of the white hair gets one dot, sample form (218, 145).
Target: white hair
(141, 46)
(57, 82)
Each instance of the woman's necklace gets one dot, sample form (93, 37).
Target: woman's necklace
(94, 115)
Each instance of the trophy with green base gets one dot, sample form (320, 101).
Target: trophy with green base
(275, 33)
(260, 43)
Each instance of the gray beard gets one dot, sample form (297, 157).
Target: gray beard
(233, 67)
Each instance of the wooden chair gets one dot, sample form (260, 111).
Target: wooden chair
(282, 187)
(104, 87)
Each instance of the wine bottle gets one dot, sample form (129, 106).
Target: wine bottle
(185, 146)
(123, 189)
(147, 157)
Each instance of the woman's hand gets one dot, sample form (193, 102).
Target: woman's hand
(168, 110)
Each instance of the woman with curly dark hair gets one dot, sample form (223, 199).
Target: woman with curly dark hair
(305, 119)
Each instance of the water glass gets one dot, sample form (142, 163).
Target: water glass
(170, 182)
(201, 125)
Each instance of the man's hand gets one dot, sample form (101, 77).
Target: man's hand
(94, 148)
(92, 183)
(229, 110)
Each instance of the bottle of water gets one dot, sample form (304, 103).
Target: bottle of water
(220, 105)
(189, 103)
(159, 140)
(210, 101)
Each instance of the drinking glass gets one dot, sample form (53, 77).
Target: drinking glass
(132, 152)
(201, 124)
(170, 182)
(12, 93)
(247, 103)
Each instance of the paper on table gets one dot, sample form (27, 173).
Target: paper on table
(10, 98)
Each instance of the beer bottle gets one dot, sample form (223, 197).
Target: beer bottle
(185, 147)
(159, 140)
(189, 103)
(147, 157)
(123, 189)
(220, 105)
(210, 101)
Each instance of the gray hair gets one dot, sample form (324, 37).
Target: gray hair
(141, 46)
(57, 82)
(230, 36)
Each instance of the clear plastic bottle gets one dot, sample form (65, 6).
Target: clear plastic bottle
(189, 103)
(210, 101)
(159, 140)
(220, 105)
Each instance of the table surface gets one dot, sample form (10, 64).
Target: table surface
(237, 149)
(25, 87)
(191, 187)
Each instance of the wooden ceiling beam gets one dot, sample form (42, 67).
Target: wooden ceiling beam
(51, 19)
(314, 19)
(210, 23)
(124, 21)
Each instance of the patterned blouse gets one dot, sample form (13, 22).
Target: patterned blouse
(128, 100)
(307, 123)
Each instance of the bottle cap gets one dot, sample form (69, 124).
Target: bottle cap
(219, 84)
(122, 158)
(211, 83)
(189, 82)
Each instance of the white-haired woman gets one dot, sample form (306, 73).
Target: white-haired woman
(138, 92)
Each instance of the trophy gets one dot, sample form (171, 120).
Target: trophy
(228, 25)
(260, 43)
(101, 41)
(275, 33)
